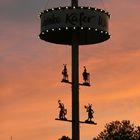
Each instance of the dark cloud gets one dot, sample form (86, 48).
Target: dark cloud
(20, 10)
(25, 10)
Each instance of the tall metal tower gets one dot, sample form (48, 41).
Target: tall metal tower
(74, 25)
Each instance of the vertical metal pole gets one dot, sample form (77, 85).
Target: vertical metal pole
(75, 91)
(75, 83)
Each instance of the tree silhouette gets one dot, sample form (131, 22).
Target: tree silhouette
(64, 138)
(117, 130)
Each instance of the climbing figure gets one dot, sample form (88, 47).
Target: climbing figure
(65, 74)
(63, 111)
(86, 77)
(90, 113)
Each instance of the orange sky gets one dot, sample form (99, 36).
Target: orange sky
(30, 73)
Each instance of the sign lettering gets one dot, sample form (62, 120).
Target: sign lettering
(51, 20)
(74, 18)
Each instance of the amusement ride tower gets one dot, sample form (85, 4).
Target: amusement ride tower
(75, 25)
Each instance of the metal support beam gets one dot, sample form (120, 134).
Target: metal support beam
(75, 92)
(75, 83)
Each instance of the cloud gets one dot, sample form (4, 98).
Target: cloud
(24, 11)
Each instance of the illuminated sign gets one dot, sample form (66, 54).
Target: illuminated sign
(74, 18)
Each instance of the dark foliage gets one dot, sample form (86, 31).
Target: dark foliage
(117, 130)
(64, 138)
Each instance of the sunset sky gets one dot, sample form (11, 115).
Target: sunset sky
(30, 72)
